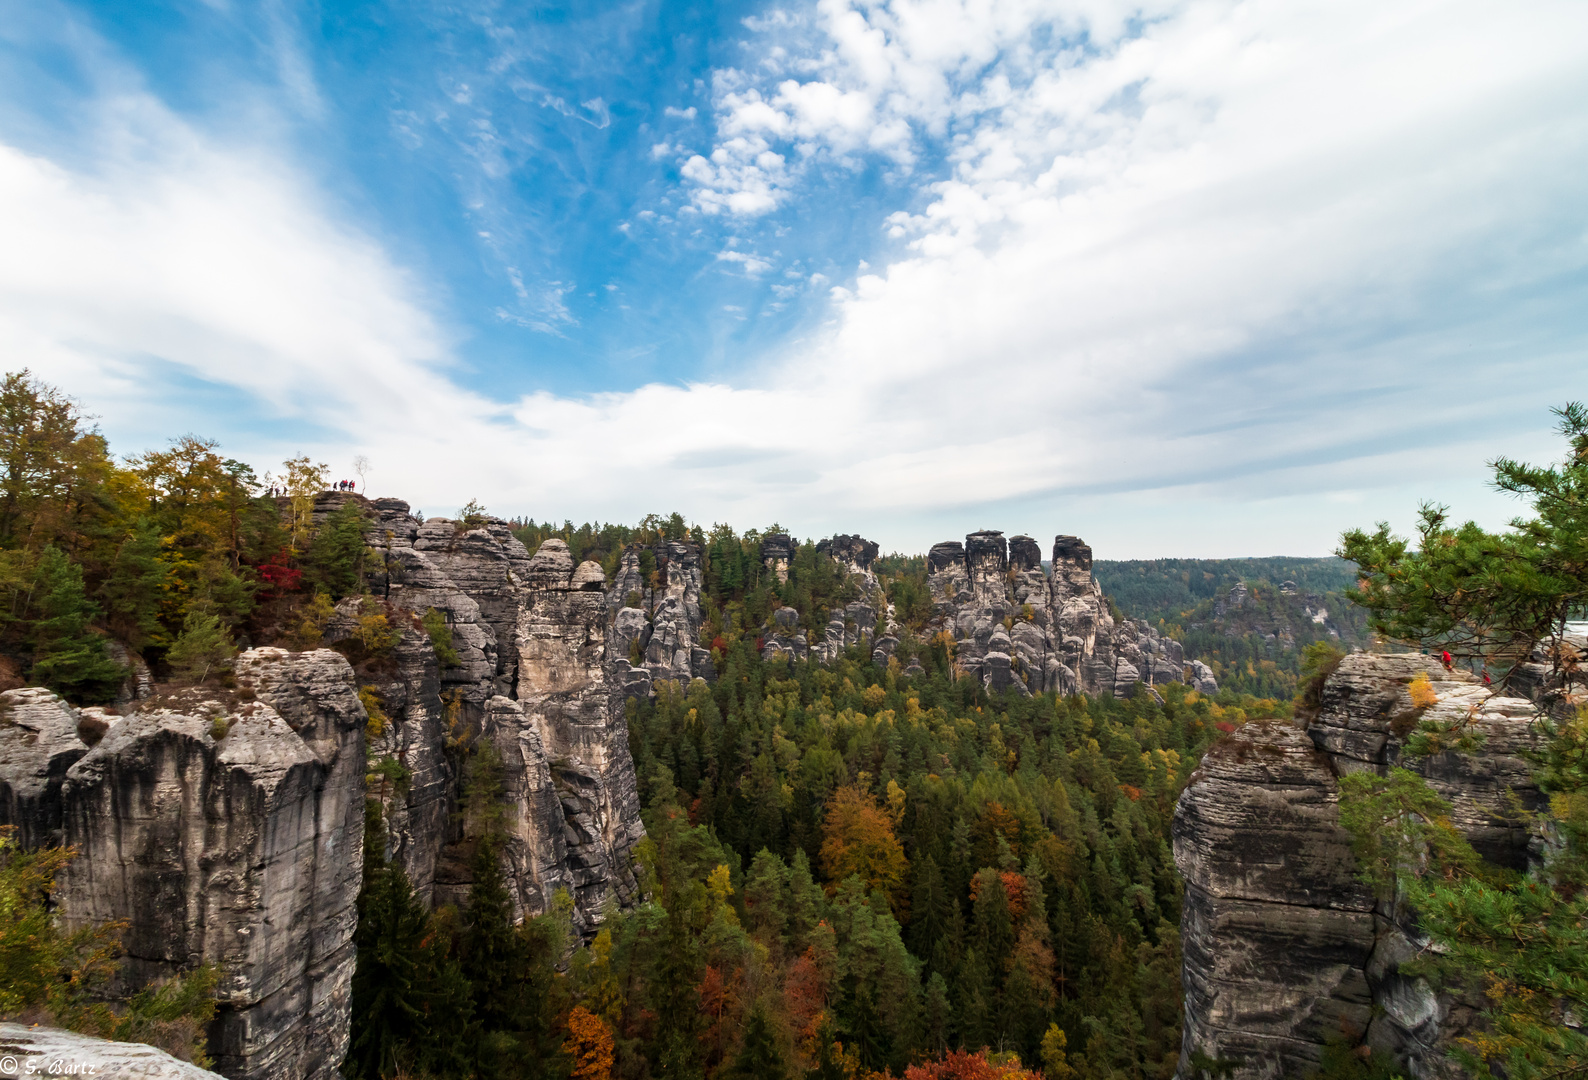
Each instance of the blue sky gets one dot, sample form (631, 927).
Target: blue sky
(1188, 277)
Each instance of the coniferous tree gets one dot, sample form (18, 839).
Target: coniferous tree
(387, 1004)
(759, 1057)
(335, 557)
(202, 647)
(931, 917)
(493, 956)
(136, 587)
(67, 655)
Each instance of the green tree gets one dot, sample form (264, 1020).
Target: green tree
(135, 589)
(1490, 597)
(335, 558)
(440, 632)
(41, 447)
(203, 646)
(410, 1006)
(68, 656)
(1520, 944)
(759, 1056)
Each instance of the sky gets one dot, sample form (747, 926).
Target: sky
(1184, 277)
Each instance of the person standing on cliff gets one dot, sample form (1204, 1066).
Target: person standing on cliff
(1444, 658)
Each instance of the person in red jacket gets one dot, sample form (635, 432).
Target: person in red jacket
(1444, 658)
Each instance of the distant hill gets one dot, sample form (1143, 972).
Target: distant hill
(1156, 589)
(1248, 619)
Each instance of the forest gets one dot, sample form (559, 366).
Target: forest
(847, 873)
(1258, 645)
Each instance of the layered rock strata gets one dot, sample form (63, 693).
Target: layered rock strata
(224, 828)
(547, 655)
(1286, 950)
(1017, 626)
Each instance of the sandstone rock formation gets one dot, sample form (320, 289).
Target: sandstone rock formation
(44, 1052)
(1285, 950)
(855, 623)
(1016, 626)
(547, 656)
(224, 828)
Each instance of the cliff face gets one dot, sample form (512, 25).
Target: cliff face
(1285, 950)
(225, 828)
(543, 671)
(1016, 625)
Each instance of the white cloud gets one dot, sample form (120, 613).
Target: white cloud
(680, 114)
(753, 265)
(1226, 255)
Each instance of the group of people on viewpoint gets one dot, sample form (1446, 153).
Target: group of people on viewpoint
(341, 485)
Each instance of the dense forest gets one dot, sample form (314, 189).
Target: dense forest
(1255, 640)
(848, 872)
(1154, 589)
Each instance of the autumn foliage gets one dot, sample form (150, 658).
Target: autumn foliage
(962, 1065)
(858, 839)
(589, 1044)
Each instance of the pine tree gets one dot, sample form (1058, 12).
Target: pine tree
(931, 914)
(493, 957)
(807, 902)
(335, 558)
(759, 1057)
(135, 588)
(68, 656)
(1520, 944)
(387, 1004)
(202, 647)
(938, 1014)
(765, 898)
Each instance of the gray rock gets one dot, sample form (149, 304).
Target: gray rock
(44, 1051)
(777, 551)
(1064, 637)
(39, 741)
(1285, 949)
(854, 553)
(244, 850)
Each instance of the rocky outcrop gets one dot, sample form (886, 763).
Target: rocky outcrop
(572, 698)
(39, 741)
(854, 553)
(1016, 626)
(777, 551)
(1285, 949)
(222, 827)
(547, 656)
(43, 1051)
(416, 806)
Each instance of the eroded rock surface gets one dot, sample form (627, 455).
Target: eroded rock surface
(223, 827)
(1018, 626)
(547, 656)
(45, 1051)
(1285, 949)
